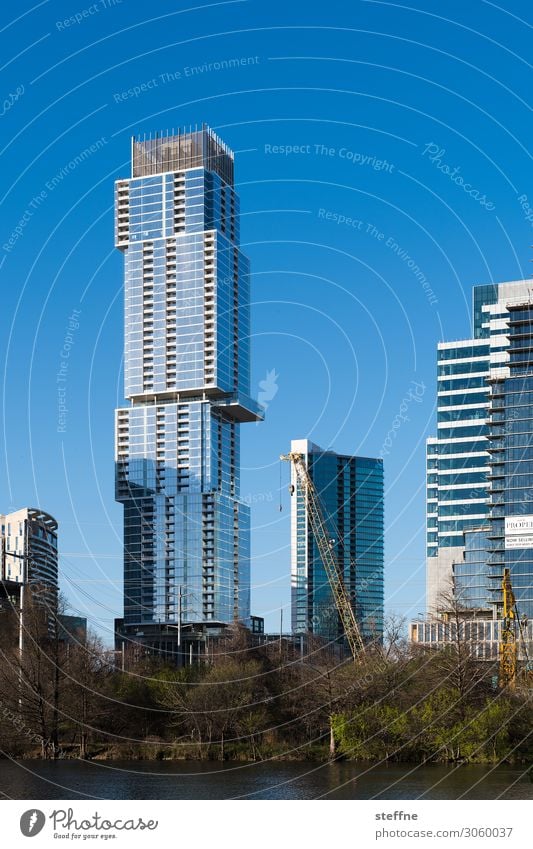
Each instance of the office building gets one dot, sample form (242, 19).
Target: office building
(72, 630)
(187, 381)
(351, 495)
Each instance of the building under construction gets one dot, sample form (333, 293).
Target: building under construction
(480, 482)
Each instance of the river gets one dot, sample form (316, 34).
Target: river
(267, 780)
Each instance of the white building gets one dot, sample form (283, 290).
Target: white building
(29, 551)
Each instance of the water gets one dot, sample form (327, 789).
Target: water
(269, 780)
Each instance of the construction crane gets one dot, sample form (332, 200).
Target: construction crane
(513, 634)
(508, 649)
(325, 546)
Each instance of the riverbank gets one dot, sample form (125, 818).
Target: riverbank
(157, 751)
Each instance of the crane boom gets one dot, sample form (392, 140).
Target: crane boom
(508, 644)
(323, 541)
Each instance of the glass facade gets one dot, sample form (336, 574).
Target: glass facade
(351, 494)
(187, 378)
(480, 466)
(512, 458)
(472, 584)
(457, 458)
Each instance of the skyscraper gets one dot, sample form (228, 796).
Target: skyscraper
(187, 380)
(351, 494)
(479, 478)
(510, 537)
(28, 540)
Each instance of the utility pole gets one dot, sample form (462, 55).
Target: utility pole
(179, 616)
(21, 621)
(22, 590)
(24, 578)
(178, 627)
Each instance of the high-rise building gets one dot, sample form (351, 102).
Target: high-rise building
(510, 536)
(457, 458)
(351, 495)
(29, 554)
(480, 466)
(187, 380)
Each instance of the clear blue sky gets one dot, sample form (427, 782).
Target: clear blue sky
(367, 111)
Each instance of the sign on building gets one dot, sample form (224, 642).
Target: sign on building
(518, 532)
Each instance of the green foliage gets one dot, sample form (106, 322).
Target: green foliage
(431, 729)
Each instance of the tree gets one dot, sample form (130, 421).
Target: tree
(88, 701)
(30, 677)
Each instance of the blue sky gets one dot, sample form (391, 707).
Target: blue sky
(383, 166)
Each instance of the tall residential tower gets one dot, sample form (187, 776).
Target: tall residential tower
(187, 380)
(479, 467)
(28, 540)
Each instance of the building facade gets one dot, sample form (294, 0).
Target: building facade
(481, 636)
(187, 381)
(457, 458)
(480, 465)
(29, 555)
(351, 494)
(473, 586)
(510, 538)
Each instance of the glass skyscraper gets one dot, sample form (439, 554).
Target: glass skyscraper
(351, 494)
(480, 466)
(187, 380)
